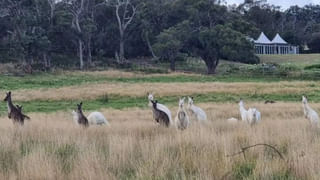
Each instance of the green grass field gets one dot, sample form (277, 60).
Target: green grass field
(45, 81)
(51, 146)
(300, 60)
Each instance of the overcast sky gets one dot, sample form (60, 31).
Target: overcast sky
(283, 3)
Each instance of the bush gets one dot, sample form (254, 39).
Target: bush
(314, 66)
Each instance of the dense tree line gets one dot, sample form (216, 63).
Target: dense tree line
(86, 33)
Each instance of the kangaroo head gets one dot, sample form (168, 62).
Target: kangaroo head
(8, 96)
(79, 108)
(154, 103)
(181, 102)
(241, 102)
(150, 96)
(304, 100)
(190, 101)
(254, 112)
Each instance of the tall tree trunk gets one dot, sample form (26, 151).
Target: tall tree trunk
(211, 64)
(173, 64)
(76, 23)
(89, 55)
(81, 54)
(123, 23)
(45, 61)
(149, 45)
(121, 50)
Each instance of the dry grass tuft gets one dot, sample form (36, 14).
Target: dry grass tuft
(50, 146)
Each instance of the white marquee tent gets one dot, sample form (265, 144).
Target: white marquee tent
(277, 46)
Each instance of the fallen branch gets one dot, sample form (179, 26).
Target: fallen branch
(248, 147)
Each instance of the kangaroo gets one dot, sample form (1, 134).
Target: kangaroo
(182, 118)
(20, 110)
(82, 119)
(269, 102)
(160, 116)
(309, 113)
(15, 112)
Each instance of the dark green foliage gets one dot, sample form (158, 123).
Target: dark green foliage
(168, 46)
(314, 43)
(45, 35)
(208, 34)
(313, 67)
(221, 41)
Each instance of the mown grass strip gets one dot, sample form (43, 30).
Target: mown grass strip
(45, 81)
(55, 81)
(122, 102)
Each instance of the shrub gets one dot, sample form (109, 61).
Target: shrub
(311, 67)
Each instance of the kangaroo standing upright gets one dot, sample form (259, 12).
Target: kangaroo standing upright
(81, 118)
(15, 112)
(160, 116)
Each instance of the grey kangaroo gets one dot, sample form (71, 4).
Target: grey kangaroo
(82, 119)
(160, 116)
(15, 112)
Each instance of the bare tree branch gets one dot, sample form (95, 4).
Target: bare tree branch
(248, 147)
(124, 20)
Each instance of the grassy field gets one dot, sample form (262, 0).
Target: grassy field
(51, 146)
(301, 60)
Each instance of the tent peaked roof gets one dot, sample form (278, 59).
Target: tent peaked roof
(278, 40)
(263, 39)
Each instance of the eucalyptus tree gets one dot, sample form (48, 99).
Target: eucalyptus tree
(77, 9)
(125, 12)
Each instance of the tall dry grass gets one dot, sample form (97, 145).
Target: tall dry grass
(50, 146)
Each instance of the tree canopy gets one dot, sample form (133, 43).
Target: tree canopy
(83, 33)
